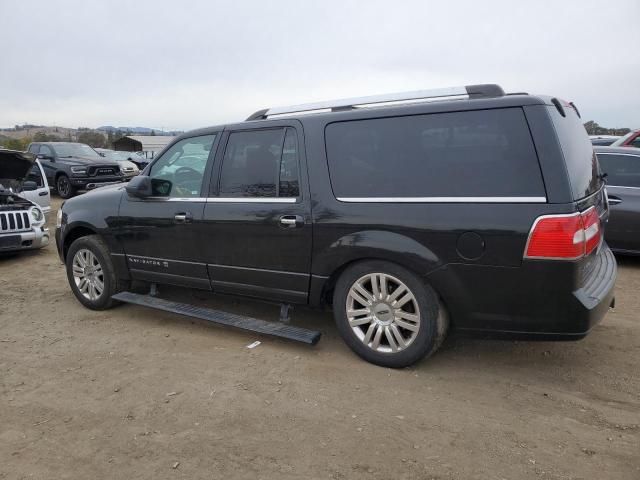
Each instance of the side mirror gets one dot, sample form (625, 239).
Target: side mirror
(29, 186)
(142, 186)
(42, 156)
(139, 187)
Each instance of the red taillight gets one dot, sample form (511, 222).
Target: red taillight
(564, 237)
(592, 232)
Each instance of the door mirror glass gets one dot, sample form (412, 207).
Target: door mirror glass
(29, 186)
(139, 187)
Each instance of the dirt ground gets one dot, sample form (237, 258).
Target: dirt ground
(135, 393)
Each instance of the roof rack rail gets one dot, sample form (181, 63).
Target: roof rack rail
(470, 91)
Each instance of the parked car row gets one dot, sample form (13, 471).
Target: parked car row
(70, 167)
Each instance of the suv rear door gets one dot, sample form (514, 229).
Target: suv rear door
(257, 220)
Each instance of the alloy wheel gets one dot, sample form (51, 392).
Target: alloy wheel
(63, 186)
(383, 312)
(88, 274)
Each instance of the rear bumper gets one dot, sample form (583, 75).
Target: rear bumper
(533, 301)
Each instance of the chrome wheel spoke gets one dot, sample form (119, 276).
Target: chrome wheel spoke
(375, 287)
(409, 326)
(359, 298)
(411, 317)
(367, 338)
(398, 336)
(397, 292)
(392, 341)
(360, 321)
(99, 286)
(376, 339)
(359, 312)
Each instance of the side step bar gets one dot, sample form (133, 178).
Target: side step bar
(289, 332)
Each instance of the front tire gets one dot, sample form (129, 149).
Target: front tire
(387, 314)
(64, 188)
(91, 274)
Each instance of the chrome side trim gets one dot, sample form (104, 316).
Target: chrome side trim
(251, 200)
(621, 154)
(442, 199)
(224, 199)
(233, 267)
(620, 186)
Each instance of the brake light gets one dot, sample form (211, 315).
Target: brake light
(564, 237)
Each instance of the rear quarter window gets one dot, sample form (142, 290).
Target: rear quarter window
(579, 158)
(486, 153)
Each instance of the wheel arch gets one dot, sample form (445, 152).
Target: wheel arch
(369, 245)
(75, 232)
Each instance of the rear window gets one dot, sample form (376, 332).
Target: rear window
(581, 161)
(487, 153)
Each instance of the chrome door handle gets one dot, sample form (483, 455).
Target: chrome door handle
(291, 221)
(183, 217)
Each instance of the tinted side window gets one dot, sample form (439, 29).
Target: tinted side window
(34, 148)
(46, 150)
(621, 170)
(260, 163)
(485, 153)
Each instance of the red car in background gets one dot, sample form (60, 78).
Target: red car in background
(631, 139)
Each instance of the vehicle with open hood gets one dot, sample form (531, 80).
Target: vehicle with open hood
(22, 221)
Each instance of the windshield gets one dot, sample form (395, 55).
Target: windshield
(76, 150)
(113, 155)
(621, 140)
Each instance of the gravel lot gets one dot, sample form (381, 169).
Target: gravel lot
(135, 393)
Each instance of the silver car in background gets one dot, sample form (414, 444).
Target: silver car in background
(128, 168)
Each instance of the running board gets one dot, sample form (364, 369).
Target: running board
(289, 332)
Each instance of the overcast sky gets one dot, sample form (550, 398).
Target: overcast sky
(187, 64)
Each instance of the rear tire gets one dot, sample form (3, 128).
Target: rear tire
(64, 188)
(387, 314)
(91, 274)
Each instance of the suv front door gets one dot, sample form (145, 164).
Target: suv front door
(41, 194)
(160, 235)
(257, 219)
(622, 232)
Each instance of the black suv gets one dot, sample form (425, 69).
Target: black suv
(479, 210)
(75, 166)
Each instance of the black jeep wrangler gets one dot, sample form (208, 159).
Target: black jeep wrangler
(409, 216)
(70, 167)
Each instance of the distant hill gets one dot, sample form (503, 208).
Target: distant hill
(136, 130)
